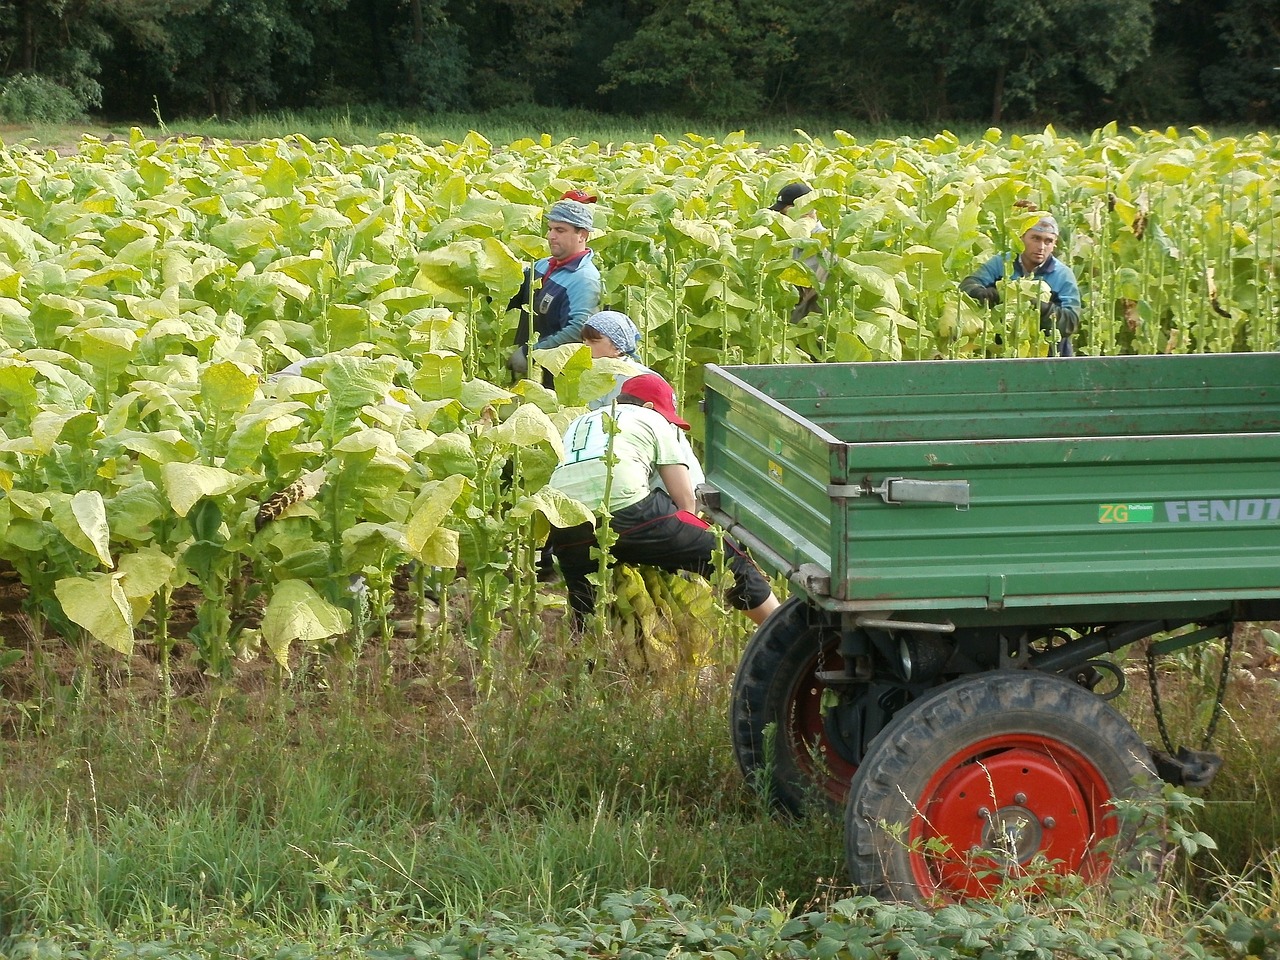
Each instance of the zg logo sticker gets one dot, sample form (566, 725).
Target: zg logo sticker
(1126, 512)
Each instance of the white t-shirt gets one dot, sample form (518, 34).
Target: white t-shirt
(689, 459)
(643, 440)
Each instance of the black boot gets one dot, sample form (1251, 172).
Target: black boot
(546, 565)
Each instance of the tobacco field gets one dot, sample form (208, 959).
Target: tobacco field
(152, 292)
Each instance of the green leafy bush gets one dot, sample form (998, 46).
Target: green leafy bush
(31, 98)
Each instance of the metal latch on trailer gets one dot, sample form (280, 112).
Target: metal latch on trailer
(905, 490)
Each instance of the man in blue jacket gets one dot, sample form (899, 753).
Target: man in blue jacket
(560, 291)
(1061, 312)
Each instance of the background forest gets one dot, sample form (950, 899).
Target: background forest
(1074, 62)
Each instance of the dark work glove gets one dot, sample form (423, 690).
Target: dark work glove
(1049, 312)
(518, 362)
(983, 294)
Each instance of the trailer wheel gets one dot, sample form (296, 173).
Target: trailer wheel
(971, 784)
(776, 685)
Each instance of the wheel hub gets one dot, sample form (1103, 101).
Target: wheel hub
(1013, 831)
(996, 811)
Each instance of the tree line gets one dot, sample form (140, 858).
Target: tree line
(1079, 62)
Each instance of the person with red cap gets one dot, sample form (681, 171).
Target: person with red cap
(627, 461)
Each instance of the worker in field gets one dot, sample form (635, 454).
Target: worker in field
(615, 457)
(785, 204)
(561, 290)
(1060, 313)
(612, 335)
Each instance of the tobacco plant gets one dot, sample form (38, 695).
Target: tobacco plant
(152, 293)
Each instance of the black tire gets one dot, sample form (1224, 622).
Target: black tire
(775, 684)
(1018, 760)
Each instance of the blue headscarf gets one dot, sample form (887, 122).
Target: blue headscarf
(618, 327)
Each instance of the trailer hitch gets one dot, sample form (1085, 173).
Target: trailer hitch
(1183, 767)
(1186, 768)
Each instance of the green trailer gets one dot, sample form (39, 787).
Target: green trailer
(967, 543)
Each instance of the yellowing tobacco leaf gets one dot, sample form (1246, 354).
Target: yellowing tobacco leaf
(98, 604)
(296, 612)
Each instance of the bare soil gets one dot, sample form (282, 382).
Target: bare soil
(50, 660)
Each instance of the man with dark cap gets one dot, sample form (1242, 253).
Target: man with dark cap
(559, 291)
(808, 302)
(1060, 313)
(788, 196)
(614, 458)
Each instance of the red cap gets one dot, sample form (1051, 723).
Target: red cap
(579, 196)
(651, 388)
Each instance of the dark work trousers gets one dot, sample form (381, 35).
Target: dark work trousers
(656, 533)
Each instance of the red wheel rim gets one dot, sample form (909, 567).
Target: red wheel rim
(813, 750)
(995, 806)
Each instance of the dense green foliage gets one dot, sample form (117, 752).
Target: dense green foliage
(150, 294)
(31, 98)
(1081, 62)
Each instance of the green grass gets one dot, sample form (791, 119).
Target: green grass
(333, 810)
(360, 125)
(533, 802)
(364, 125)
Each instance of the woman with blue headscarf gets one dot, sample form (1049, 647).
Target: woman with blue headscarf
(613, 336)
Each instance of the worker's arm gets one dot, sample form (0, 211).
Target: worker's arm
(675, 477)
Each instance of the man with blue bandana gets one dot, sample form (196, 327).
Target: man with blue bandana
(559, 291)
(1059, 314)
